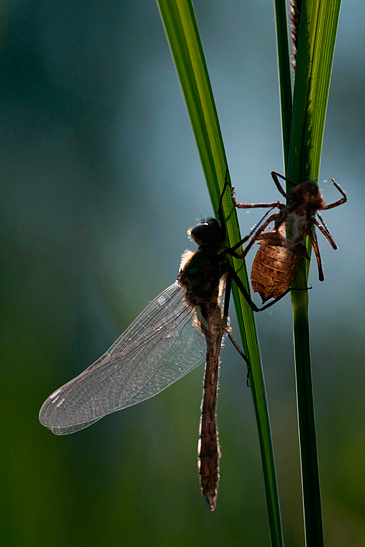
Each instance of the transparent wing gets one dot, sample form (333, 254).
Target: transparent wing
(160, 346)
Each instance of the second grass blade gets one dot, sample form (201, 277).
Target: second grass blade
(317, 34)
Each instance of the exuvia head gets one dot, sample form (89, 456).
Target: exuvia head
(309, 194)
(208, 232)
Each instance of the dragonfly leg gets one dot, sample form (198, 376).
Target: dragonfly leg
(220, 208)
(259, 228)
(225, 312)
(250, 302)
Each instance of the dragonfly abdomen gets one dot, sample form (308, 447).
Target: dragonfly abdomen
(208, 447)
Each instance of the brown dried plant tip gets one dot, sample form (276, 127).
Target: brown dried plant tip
(295, 10)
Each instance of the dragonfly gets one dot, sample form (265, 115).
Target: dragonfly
(182, 328)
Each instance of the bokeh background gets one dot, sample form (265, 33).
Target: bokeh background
(100, 180)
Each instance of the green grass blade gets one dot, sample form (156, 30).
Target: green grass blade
(326, 31)
(182, 32)
(317, 35)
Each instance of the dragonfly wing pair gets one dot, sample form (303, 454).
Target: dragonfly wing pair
(161, 346)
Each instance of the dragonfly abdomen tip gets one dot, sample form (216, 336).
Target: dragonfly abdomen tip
(210, 500)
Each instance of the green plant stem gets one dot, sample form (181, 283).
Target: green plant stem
(312, 509)
(317, 35)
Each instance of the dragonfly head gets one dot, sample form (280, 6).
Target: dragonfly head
(208, 232)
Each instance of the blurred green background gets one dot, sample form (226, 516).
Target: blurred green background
(100, 181)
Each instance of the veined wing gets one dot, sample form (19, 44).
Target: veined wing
(159, 347)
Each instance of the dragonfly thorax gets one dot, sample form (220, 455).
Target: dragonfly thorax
(200, 277)
(201, 273)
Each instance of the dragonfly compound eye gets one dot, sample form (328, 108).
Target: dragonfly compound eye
(208, 233)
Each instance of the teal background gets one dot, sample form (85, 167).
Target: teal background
(100, 180)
